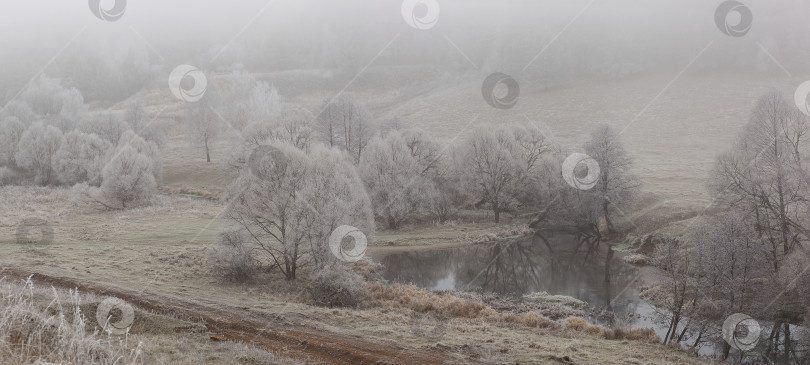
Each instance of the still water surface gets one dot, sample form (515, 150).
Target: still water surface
(557, 264)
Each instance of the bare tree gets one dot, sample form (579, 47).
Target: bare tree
(730, 267)
(81, 158)
(618, 189)
(679, 296)
(346, 123)
(203, 125)
(36, 151)
(764, 174)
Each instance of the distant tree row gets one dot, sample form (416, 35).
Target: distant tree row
(48, 137)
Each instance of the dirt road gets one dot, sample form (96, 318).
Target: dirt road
(233, 324)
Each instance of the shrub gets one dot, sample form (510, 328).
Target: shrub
(233, 258)
(575, 323)
(335, 286)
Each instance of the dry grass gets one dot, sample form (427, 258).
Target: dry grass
(637, 259)
(423, 301)
(39, 325)
(446, 304)
(29, 333)
(499, 233)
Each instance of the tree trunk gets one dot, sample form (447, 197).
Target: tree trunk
(497, 211)
(608, 222)
(207, 154)
(607, 262)
(787, 343)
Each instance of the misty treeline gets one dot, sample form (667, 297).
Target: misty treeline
(751, 256)
(48, 137)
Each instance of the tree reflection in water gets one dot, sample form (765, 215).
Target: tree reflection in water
(566, 264)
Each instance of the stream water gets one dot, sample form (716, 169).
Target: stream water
(559, 264)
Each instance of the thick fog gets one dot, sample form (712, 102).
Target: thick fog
(547, 41)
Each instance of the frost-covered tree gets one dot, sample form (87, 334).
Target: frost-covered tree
(346, 123)
(291, 126)
(20, 110)
(127, 180)
(203, 125)
(81, 158)
(137, 116)
(618, 190)
(241, 99)
(506, 166)
(148, 148)
(36, 151)
(107, 125)
(730, 260)
(489, 169)
(394, 178)
(47, 97)
(766, 174)
(11, 130)
(426, 150)
(394, 124)
(289, 202)
(538, 154)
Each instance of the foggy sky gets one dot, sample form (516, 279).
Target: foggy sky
(641, 35)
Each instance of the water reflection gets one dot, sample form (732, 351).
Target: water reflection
(580, 267)
(566, 264)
